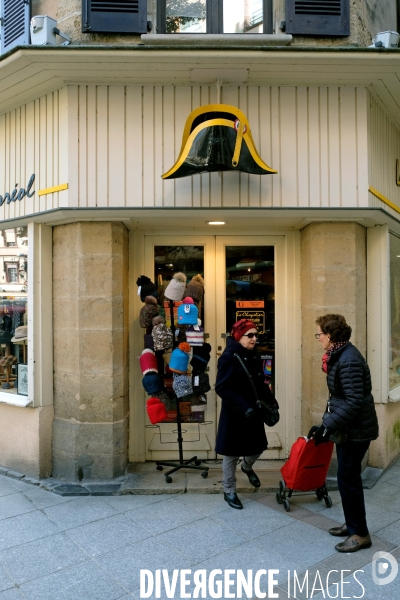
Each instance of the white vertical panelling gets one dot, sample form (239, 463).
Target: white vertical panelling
(205, 179)
(91, 150)
(348, 146)
(63, 197)
(183, 108)
(83, 114)
(74, 149)
(288, 167)
(275, 162)
(265, 147)
(314, 153)
(243, 177)
(303, 183)
(335, 176)
(148, 146)
(158, 149)
(134, 147)
(323, 145)
(362, 145)
(103, 150)
(30, 155)
(196, 181)
(168, 131)
(383, 150)
(230, 180)
(116, 159)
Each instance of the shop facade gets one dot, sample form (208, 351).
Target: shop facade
(83, 151)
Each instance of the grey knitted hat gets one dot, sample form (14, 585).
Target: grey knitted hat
(175, 290)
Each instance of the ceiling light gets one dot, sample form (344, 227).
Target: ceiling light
(216, 222)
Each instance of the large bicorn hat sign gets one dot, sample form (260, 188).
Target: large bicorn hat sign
(217, 137)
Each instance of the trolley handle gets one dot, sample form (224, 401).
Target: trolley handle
(312, 430)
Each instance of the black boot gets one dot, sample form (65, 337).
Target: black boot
(252, 477)
(233, 500)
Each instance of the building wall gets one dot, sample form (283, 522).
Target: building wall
(383, 150)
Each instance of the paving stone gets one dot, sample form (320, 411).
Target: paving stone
(254, 520)
(3, 471)
(154, 483)
(206, 504)
(5, 581)
(385, 495)
(163, 516)
(42, 498)
(128, 502)
(85, 581)
(50, 483)
(78, 512)
(12, 594)
(106, 535)
(13, 505)
(14, 474)
(103, 489)
(69, 489)
(25, 528)
(41, 557)
(20, 485)
(7, 487)
(31, 480)
(370, 476)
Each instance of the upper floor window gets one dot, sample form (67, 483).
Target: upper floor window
(214, 16)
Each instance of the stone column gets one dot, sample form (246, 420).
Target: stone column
(333, 280)
(90, 308)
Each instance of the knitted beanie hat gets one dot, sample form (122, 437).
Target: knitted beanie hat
(156, 410)
(152, 383)
(188, 312)
(241, 327)
(195, 334)
(170, 403)
(182, 385)
(179, 361)
(147, 287)
(148, 312)
(162, 337)
(201, 358)
(175, 290)
(195, 288)
(201, 383)
(148, 361)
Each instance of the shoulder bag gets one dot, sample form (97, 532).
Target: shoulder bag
(269, 412)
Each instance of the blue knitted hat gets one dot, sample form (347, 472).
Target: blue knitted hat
(152, 383)
(182, 385)
(179, 361)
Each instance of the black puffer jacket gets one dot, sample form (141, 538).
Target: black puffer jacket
(351, 402)
(239, 435)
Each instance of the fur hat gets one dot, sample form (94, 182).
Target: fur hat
(195, 288)
(148, 361)
(147, 287)
(152, 383)
(182, 385)
(175, 290)
(241, 327)
(201, 358)
(179, 361)
(156, 410)
(148, 312)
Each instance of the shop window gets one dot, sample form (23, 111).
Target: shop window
(13, 312)
(214, 16)
(14, 24)
(318, 17)
(114, 16)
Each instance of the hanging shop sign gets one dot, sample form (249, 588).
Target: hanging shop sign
(217, 137)
(18, 194)
(257, 316)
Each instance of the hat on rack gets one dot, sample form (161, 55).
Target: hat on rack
(201, 358)
(201, 383)
(175, 290)
(156, 410)
(195, 288)
(195, 334)
(148, 312)
(162, 336)
(179, 360)
(152, 383)
(148, 362)
(240, 328)
(182, 385)
(20, 334)
(188, 312)
(147, 287)
(170, 403)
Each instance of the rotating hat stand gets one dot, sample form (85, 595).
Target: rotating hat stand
(181, 464)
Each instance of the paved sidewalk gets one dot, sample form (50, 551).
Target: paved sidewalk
(93, 548)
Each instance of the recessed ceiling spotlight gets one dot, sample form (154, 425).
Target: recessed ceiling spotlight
(216, 222)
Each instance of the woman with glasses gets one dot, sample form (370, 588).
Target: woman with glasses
(241, 430)
(351, 421)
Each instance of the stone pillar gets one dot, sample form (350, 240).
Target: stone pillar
(90, 308)
(333, 280)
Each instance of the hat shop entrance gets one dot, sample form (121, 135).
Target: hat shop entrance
(244, 277)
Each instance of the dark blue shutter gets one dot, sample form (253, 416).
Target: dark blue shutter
(318, 17)
(14, 29)
(114, 16)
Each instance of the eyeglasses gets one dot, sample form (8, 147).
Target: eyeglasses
(250, 335)
(318, 335)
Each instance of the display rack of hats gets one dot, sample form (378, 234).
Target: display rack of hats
(174, 360)
(13, 330)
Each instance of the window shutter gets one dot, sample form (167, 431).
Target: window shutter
(14, 27)
(114, 16)
(318, 17)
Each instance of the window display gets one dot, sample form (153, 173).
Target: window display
(13, 309)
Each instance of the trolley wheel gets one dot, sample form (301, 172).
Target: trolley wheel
(328, 501)
(168, 479)
(204, 474)
(159, 468)
(197, 463)
(278, 498)
(286, 505)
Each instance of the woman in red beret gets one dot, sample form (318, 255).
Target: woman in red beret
(241, 430)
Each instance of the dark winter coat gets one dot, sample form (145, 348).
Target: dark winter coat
(239, 435)
(351, 402)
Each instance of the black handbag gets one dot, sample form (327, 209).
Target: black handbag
(269, 411)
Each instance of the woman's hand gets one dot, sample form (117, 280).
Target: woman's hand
(321, 435)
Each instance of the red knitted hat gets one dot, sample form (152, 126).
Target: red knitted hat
(148, 362)
(242, 327)
(156, 410)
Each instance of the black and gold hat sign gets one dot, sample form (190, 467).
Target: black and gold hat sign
(217, 137)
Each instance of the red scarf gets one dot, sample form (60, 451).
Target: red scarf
(327, 356)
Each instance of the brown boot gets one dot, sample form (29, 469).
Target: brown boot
(353, 543)
(339, 531)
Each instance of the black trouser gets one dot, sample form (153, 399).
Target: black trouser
(350, 455)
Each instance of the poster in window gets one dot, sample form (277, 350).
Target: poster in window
(22, 386)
